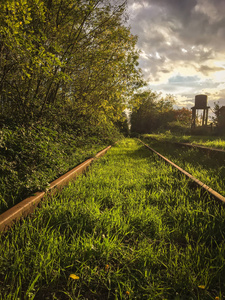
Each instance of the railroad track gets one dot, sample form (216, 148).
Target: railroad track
(198, 183)
(207, 149)
(195, 146)
(27, 206)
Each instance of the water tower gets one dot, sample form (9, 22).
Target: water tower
(200, 104)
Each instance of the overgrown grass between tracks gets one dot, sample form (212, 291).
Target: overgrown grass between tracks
(131, 228)
(209, 168)
(205, 141)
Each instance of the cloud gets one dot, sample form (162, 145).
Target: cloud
(183, 79)
(206, 70)
(183, 38)
(213, 10)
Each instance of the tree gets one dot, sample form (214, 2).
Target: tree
(154, 112)
(62, 61)
(183, 116)
(216, 111)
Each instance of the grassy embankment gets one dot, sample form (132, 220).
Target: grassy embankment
(129, 229)
(30, 158)
(206, 141)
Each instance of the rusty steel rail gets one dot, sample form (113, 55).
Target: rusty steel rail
(190, 145)
(205, 187)
(28, 205)
(206, 149)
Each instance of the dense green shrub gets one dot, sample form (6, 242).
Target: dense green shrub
(32, 157)
(178, 127)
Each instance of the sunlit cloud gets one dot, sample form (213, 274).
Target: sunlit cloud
(183, 46)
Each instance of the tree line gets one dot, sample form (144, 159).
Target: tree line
(74, 65)
(65, 62)
(156, 113)
(68, 72)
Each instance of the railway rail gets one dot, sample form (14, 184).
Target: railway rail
(207, 150)
(199, 183)
(27, 206)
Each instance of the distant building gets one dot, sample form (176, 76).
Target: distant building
(200, 104)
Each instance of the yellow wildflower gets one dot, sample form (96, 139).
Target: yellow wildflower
(73, 276)
(201, 287)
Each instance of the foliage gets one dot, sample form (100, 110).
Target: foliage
(32, 157)
(219, 119)
(178, 127)
(122, 124)
(67, 72)
(153, 112)
(129, 229)
(216, 113)
(206, 141)
(181, 121)
(63, 60)
(183, 116)
(207, 168)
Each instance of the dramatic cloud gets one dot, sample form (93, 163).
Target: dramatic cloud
(182, 45)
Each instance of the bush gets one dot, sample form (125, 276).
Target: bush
(32, 157)
(177, 127)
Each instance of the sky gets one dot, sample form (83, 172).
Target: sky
(182, 44)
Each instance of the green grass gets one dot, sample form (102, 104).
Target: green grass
(206, 141)
(209, 168)
(129, 229)
(31, 158)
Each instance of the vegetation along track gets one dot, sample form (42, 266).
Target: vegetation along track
(129, 229)
(212, 151)
(206, 166)
(197, 182)
(28, 205)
